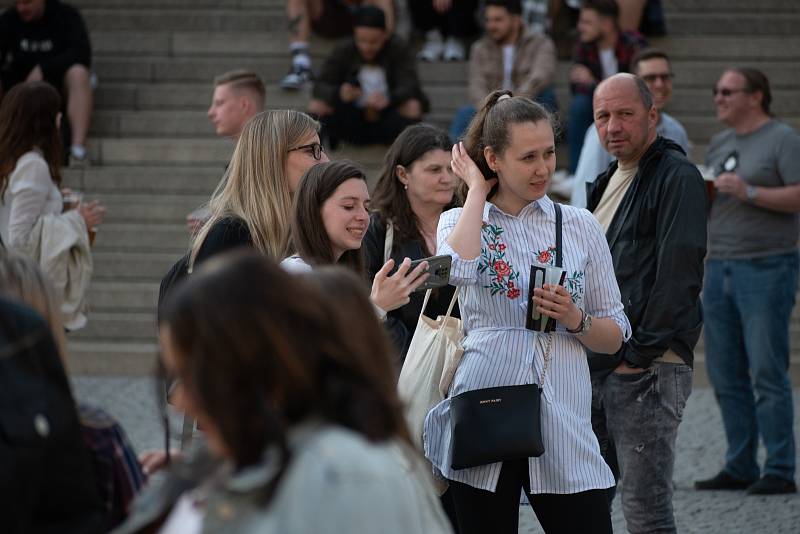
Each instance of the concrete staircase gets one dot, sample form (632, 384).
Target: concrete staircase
(155, 157)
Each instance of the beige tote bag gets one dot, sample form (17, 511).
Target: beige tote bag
(431, 362)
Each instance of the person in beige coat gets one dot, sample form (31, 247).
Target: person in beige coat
(508, 57)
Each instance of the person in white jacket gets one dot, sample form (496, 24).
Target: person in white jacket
(34, 219)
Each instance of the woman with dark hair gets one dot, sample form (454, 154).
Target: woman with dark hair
(295, 409)
(415, 186)
(508, 225)
(33, 220)
(329, 223)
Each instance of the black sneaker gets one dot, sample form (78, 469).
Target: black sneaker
(723, 481)
(297, 78)
(772, 485)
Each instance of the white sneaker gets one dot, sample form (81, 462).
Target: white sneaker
(453, 50)
(433, 47)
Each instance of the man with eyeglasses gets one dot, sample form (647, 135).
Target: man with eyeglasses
(751, 282)
(653, 66)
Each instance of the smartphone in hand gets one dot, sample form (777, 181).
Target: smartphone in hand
(439, 270)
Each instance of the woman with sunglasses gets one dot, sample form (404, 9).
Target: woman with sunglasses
(253, 205)
(330, 221)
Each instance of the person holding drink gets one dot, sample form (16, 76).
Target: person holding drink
(506, 227)
(35, 218)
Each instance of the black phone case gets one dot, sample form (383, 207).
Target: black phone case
(530, 322)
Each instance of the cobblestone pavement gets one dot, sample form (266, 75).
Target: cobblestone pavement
(701, 445)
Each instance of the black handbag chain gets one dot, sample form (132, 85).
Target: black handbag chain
(549, 341)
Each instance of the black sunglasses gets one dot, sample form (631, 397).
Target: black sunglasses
(727, 92)
(316, 150)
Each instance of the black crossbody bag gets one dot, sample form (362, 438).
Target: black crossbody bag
(502, 423)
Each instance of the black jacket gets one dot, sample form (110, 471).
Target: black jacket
(55, 43)
(402, 322)
(46, 479)
(658, 242)
(396, 59)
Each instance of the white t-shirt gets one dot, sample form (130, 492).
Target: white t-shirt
(508, 66)
(372, 79)
(609, 62)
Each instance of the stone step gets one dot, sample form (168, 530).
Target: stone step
(693, 6)
(692, 73)
(92, 357)
(145, 179)
(143, 208)
(142, 5)
(727, 23)
(172, 239)
(119, 327)
(274, 44)
(105, 296)
(121, 266)
(202, 19)
(170, 42)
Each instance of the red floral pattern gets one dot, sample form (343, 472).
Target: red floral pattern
(493, 260)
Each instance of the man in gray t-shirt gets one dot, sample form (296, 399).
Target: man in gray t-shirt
(750, 284)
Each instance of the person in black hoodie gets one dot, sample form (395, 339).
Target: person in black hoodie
(368, 90)
(651, 203)
(46, 40)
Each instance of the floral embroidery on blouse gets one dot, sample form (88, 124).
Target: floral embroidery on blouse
(493, 259)
(573, 283)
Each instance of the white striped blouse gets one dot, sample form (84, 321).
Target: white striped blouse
(499, 350)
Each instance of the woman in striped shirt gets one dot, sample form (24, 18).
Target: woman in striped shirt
(506, 225)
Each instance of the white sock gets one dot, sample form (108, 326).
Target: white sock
(78, 151)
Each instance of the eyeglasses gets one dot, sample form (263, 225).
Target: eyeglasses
(650, 78)
(316, 150)
(727, 92)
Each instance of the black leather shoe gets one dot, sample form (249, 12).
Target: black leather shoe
(723, 481)
(772, 485)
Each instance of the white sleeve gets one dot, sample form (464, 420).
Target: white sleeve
(29, 189)
(462, 272)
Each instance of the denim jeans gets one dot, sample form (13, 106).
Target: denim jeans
(748, 306)
(642, 414)
(464, 114)
(579, 119)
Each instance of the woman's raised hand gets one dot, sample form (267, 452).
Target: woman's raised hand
(467, 170)
(392, 292)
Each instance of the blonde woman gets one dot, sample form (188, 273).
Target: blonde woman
(253, 205)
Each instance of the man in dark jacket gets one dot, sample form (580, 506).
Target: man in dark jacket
(45, 40)
(368, 90)
(46, 479)
(652, 204)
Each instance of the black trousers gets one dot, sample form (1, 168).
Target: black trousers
(458, 22)
(349, 124)
(479, 511)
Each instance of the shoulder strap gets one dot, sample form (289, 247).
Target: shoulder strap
(559, 255)
(388, 241)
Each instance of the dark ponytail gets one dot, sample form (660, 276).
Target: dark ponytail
(491, 127)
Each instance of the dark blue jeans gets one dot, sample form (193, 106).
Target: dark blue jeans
(637, 430)
(580, 118)
(748, 306)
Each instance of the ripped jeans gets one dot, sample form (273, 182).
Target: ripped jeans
(642, 414)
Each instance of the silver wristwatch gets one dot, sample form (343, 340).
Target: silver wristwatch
(584, 326)
(752, 193)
